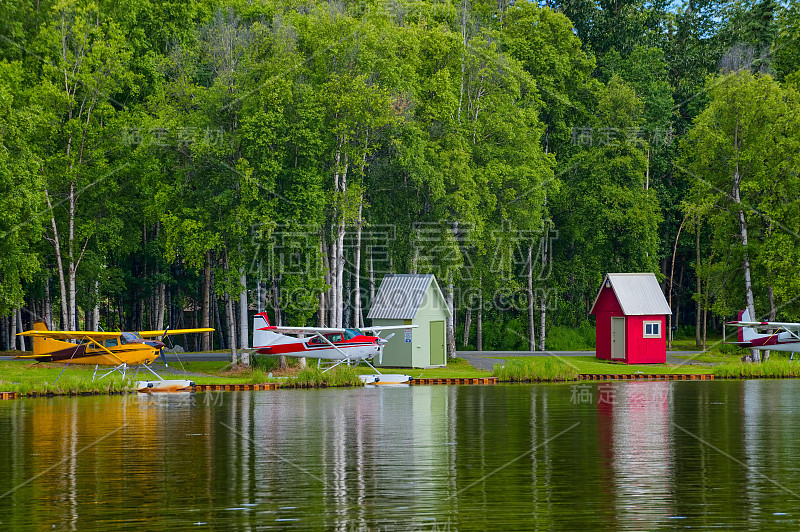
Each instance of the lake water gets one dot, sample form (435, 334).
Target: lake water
(614, 456)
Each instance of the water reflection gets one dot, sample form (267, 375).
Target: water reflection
(641, 456)
(634, 436)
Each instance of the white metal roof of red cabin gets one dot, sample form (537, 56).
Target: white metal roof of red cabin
(639, 294)
(401, 295)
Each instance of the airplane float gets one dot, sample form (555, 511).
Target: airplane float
(785, 338)
(118, 349)
(335, 344)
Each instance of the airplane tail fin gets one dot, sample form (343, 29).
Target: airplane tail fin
(746, 334)
(44, 346)
(260, 337)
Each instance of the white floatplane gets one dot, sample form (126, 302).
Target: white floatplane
(335, 344)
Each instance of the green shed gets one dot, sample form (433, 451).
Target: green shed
(412, 299)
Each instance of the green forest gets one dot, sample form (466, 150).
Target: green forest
(190, 162)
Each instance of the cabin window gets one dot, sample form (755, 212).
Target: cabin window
(652, 329)
(336, 337)
(111, 342)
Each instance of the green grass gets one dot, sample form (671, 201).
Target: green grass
(590, 364)
(28, 378)
(777, 367)
(535, 369)
(712, 357)
(314, 377)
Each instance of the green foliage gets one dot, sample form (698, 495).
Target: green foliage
(187, 131)
(745, 141)
(582, 337)
(21, 185)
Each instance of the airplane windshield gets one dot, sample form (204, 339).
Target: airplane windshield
(351, 333)
(128, 338)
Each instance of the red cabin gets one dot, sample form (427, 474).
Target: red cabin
(631, 319)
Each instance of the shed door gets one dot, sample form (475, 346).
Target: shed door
(437, 343)
(617, 338)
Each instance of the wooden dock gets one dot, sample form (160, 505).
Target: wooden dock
(646, 377)
(475, 380)
(235, 387)
(8, 395)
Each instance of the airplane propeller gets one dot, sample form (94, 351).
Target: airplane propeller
(161, 354)
(381, 344)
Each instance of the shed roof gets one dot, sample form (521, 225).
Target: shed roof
(638, 294)
(401, 295)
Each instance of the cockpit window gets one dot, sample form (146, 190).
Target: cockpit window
(128, 338)
(351, 333)
(111, 342)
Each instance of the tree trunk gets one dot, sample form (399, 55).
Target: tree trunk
(72, 270)
(59, 265)
(96, 312)
(773, 312)
(12, 334)
(48, 305)
(479, 324)
(543, 304)
(244, 330)
(339, 260)
(231, 327)
(347, 312)
(698, 339)
(467, 322)
(531, 303)
(451, 333)
(223, 335)
(705, 311)
(20, 329)
(206, 310)
(371, 279)
(748, 285)
(357, 268)
(230, 320)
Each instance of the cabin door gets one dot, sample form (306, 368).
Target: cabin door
(437, 343)
(617, 338)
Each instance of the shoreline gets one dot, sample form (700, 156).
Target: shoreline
(474, 381)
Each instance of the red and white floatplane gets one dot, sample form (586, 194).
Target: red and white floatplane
(335, 344)
(786, 335)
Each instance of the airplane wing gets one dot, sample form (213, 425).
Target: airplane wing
(151, 334)
(326, 330)
(766, 324)
(378, 328)
(72, 335)
(303, 330)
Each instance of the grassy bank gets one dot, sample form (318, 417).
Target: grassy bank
(314, 377)
(535, 369)
(773, 368)
(590, 364)
(28, 378)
